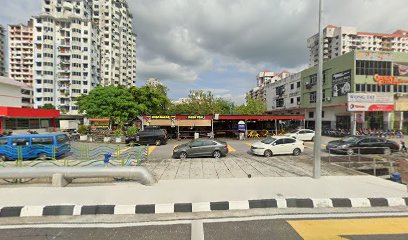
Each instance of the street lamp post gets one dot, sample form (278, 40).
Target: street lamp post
(319, 94)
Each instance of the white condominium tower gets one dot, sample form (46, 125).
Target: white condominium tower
(20, 52)
(2, 48)
(118, 42)
(341, 40)
(66, 53)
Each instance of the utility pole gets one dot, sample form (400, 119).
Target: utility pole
(319, 95)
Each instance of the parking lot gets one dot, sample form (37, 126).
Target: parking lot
(239, 163)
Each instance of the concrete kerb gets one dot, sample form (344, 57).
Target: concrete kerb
(149, 209)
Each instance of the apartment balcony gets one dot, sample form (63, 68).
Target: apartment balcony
(64, 52)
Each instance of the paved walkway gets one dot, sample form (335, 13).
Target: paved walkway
(200, 190)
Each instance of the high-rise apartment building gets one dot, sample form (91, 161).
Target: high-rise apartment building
(2, 49)
(263, 79)
(66, 53)
(20, 52)
(118, 42)
(340, 40)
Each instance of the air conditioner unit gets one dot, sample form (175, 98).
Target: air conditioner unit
(400, 94)
(298, 103)
(328, 99)
(306, 83)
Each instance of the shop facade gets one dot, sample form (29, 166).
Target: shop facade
(19, 120)
(380, 74)
(185, 126)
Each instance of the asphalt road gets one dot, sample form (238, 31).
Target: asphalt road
(258, 228)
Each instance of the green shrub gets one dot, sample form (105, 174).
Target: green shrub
(118, 132)
(83, 130)
(131, 131)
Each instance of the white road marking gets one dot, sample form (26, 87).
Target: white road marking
(197, 230)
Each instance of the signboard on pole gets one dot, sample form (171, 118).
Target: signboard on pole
(370, 102)
(341, 83)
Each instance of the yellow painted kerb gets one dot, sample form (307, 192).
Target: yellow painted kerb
(335, 228)
(151, 149)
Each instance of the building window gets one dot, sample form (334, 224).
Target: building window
(292, 100)
(370, 68)
(298, 84)
(311, 114)
(280, 102)
(292, 86)
(312, 97)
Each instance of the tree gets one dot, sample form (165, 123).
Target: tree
(252, 107)
(151, 100)
(115, 103)
(202, 103)
(48, 106)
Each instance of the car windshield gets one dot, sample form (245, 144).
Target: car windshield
(268, 140)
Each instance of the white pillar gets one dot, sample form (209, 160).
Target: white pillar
(401, 122)
(353, 123)
(387, 120)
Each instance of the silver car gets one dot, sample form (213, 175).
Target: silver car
(201, 148)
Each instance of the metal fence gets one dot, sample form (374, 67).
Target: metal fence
(81, 156)
(357, 158)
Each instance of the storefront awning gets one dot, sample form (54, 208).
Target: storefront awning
(13, 112)
(260, 117)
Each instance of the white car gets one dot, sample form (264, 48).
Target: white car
(277, 145)
(302, 134)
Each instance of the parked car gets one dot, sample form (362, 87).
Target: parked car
(201, 148)
(362, 144)
(277, 145)
(150, 135)
(34, 146)
(302, 134)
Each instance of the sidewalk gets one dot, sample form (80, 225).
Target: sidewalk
(203, 190)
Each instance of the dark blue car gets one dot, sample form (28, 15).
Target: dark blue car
(34, 146)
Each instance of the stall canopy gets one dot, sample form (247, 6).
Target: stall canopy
(260, 117)
(13, 112)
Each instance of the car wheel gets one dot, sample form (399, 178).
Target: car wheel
(312, 139)
(132, 143)
(217, 154)
(183, 155)
(42, 156)
(157, 142)
(268, 153)
(296, 152)
(350, 152)
(387, 151)
(2, 158)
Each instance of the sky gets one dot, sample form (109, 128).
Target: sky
(221, 45)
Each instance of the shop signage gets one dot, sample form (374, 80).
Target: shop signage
(389, 80)
(167, 117)
(371, 102)
(100, 125)
(341, 83)
(195, 117)
(241, 126)
(373, 56)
